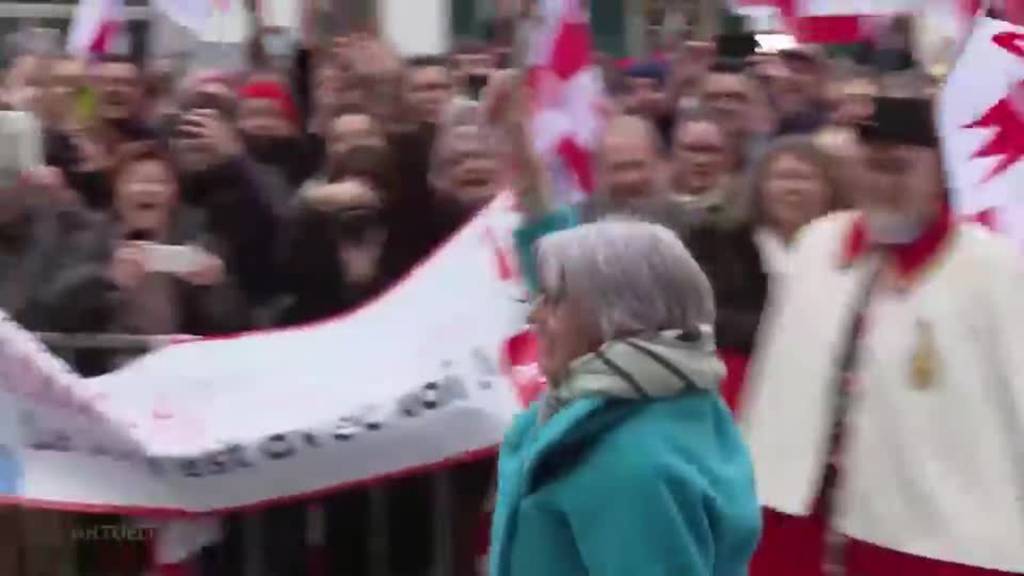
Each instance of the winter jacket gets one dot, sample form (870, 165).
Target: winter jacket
(34, 252)
(82, 298)
(632, 466)
(622, 483)
(733, 265)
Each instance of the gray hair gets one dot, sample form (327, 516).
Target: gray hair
(628, 277)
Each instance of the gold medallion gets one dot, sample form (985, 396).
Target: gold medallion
(925, 364)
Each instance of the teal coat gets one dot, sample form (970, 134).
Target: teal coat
(626, 488)
(615, 486)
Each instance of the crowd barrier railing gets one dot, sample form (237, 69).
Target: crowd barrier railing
(377, 541)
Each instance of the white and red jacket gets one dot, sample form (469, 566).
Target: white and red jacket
(933, 459)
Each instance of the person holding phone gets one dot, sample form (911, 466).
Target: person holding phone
(271, 127)
(243, 201)
(41, 222)
(335, 251)
(151, 269)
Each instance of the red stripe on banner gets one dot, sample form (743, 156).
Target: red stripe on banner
(156, 513)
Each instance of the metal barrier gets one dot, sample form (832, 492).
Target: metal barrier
(253, 525)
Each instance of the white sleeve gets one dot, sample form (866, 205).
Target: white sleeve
(1005, 284)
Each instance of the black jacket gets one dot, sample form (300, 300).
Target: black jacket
(732, 262)
(245, 206)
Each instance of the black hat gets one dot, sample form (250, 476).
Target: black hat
(907, 121)
(736, 46)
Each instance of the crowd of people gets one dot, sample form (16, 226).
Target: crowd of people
(307, 189)
(302, 191)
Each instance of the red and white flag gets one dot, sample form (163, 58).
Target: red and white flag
(981, 118)
(191, 14)
(94, 27)
(848, 21)
(567, 92)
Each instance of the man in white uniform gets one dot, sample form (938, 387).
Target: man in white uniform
(886, 404)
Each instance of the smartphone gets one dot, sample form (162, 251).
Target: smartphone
(168, 259)
(21, 145)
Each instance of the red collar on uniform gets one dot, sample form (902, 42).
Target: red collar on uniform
(907, 259)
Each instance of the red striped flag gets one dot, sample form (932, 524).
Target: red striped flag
(848, 21)
(981, 117)
(567, 92)
(94, 27)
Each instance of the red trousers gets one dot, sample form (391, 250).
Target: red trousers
(794, 546)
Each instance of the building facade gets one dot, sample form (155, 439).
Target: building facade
(621, 27)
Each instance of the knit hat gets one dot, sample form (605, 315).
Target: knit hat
(274, 92)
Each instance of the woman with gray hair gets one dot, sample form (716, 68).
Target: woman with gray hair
(631, 465)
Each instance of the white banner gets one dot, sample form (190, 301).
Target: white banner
(413, 379)
(981, 117)
(416, 27)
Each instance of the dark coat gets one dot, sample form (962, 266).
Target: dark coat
(245, 206)
(732, 262)
(34, 252)
(314, 284)
(83, 299)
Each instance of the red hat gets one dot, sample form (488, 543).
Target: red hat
(275, 92)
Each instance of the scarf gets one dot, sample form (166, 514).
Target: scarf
(648, 367)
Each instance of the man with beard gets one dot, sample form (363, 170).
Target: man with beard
(886, 407)
(628, 164)
(271, 128)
